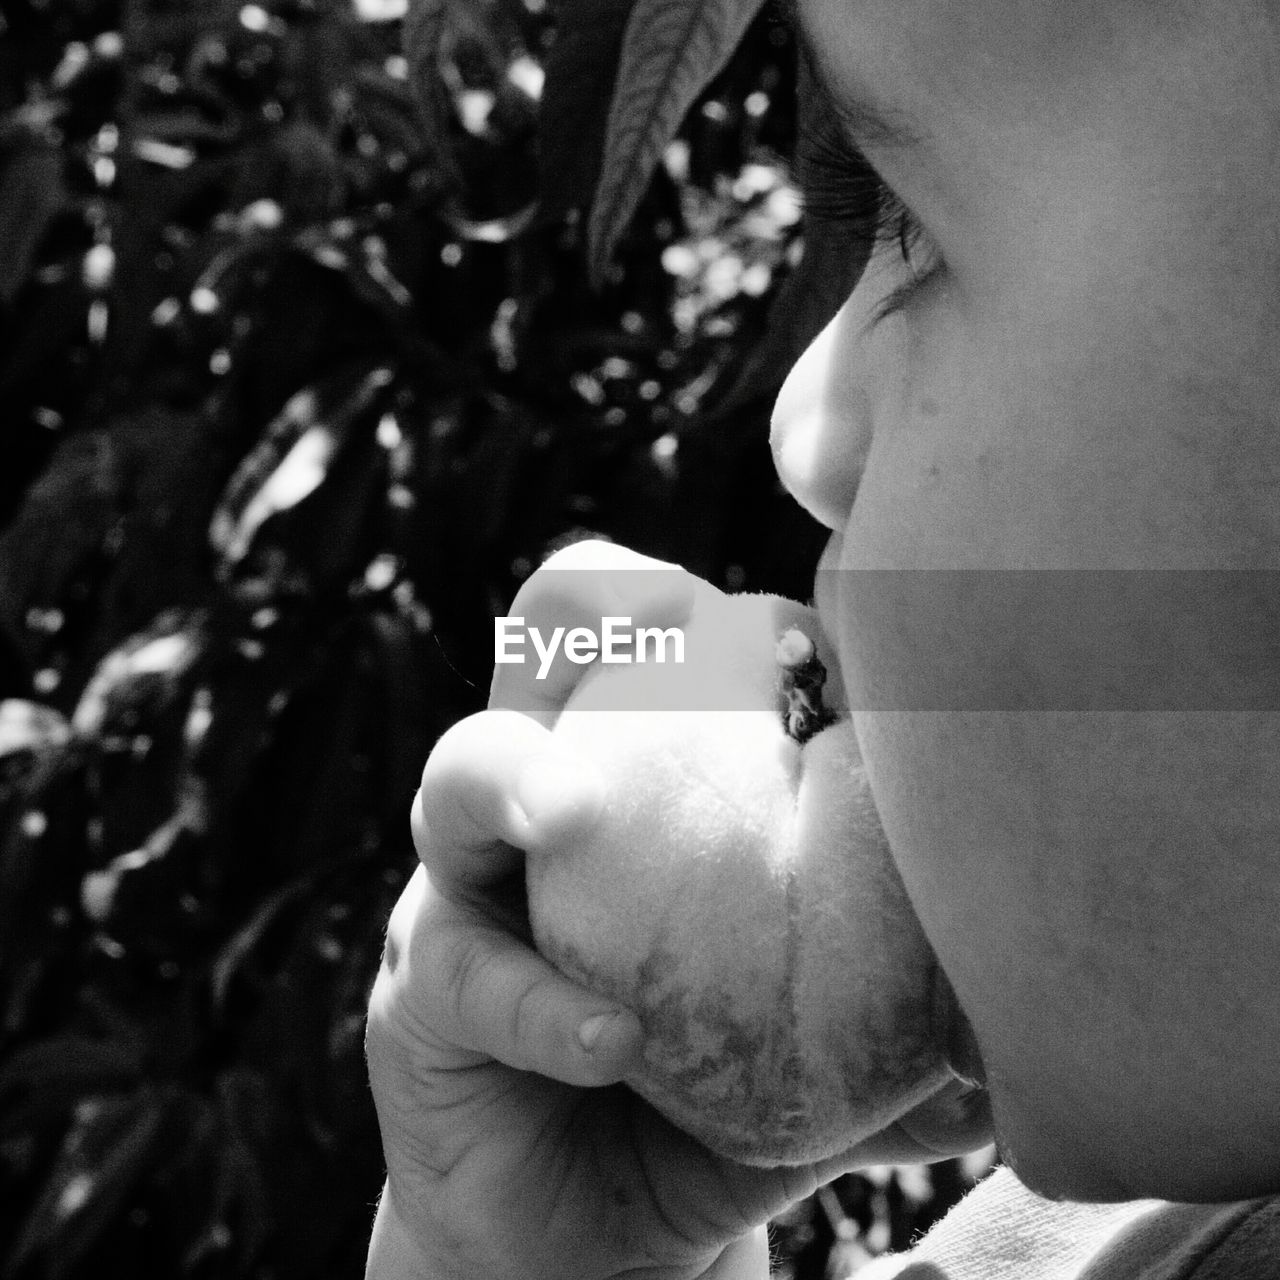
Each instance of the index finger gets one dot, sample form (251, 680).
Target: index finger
(495, 784)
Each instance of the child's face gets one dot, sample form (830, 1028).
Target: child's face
(1086, 376)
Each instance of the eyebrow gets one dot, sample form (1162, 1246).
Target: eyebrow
(867, 122)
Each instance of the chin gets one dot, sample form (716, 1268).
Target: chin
(1056, 1180)
(1049, 1175)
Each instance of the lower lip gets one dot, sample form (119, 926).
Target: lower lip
(961, 1050)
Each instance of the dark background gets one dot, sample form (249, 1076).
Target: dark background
(284, 425)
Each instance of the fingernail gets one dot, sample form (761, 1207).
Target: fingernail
(549, 785)
(590, 1032)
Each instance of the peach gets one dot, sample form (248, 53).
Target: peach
(739, 895)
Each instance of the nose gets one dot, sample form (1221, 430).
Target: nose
(821, 428)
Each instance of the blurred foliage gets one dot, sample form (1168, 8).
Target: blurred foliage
(296, 392)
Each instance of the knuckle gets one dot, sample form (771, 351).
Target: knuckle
(499, 1009)
(583, 554)
(461, 754)
(467, 977)
(399, 929)
(418, 829)
(530, 1021)
(393, 1019)
(441, 763)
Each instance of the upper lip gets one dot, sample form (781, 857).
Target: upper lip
(824, 589)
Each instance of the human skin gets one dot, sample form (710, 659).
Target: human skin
(1089, 382)
(507, 1155)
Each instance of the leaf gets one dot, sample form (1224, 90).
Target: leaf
(290, 463)
(147, 672)
(670, 52)
(406, 711)
(138, 893)
(307, 174)
(388, 108)
(31, 728)
(460, 55)
(424, 27)
(62, 1068)
(181, 126)
(240, 947)
(40, 833)
(806, 302)
(239, 1194)
(37, 353)
(33, 194)
(113, 1143)
(574, 109)
(830, 268)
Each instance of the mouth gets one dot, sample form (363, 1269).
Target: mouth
(958, 1116)
(955, 1120)
(955, 1031)
(825, 588)
(802, 677)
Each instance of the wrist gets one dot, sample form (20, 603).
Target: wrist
(393, 1252)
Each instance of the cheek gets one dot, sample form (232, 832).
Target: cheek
(1014, 920)
(1098, 889)
(1045, 439)
(927, 493)
(964, 466)
(1028, 843)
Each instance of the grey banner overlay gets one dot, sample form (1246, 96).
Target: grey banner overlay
(951, 640)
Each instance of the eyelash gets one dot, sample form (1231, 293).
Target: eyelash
(840, 189)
